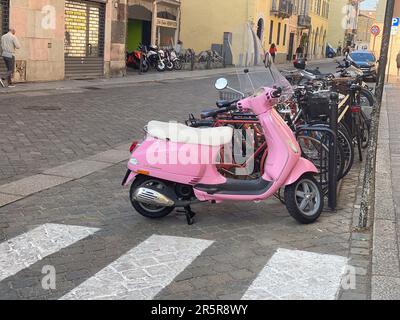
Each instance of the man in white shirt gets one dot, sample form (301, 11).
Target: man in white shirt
(9, 43)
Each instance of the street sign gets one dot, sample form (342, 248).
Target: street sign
(375, 30)
(395, 26)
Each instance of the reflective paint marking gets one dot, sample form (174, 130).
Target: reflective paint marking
(143, 272)
(23, 251)
(298, 275)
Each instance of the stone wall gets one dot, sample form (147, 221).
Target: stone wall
(40, 29)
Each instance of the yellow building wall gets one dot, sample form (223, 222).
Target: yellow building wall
(394, 47)
(319, 31)
(336, 32)
(204, 22)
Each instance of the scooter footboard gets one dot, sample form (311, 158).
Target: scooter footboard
(303, 166)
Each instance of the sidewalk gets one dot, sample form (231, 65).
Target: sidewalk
(132, 78)
(385, 282)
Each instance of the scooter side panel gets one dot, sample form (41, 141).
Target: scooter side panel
(181, 163)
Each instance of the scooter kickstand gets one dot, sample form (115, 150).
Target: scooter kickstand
(189, 215)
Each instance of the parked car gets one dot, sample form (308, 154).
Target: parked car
(366, 61)
(300, 63)
(331, 52)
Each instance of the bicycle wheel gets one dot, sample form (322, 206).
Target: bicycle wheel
(347, 146)
(364, 130)
(316, 150)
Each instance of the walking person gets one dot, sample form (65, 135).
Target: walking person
(339, 50)
(299, 52)
(9, 43)
(398, 64)
(272, 51)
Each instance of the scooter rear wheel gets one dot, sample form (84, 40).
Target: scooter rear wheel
(147, 210)
(304, 199)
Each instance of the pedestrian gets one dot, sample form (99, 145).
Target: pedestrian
(339, 51)
(9, 43)
(299, 52)
(346, 51)
(398, 63)
(272, 51)
(179, 47)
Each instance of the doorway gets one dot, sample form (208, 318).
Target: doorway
(139, 27)
(84, 39)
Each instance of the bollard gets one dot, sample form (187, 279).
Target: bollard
(332, 167)
(208, 66)
(141, 63)
(191, 60)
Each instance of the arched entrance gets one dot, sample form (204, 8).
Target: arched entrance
(139, 27)
(260, 29)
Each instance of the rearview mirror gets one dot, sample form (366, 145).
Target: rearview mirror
(221, 84)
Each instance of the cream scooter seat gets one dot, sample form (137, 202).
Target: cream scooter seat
(179, 133)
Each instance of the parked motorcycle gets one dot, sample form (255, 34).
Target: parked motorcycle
(155, 58)
(133, 60)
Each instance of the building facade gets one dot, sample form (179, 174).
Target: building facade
(366, 19)
(394, 46)
(270, 20)
(72, 39)
(343, 23)
(317, 40)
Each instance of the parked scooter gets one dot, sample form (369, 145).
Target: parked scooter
(175, 165)
(169, 64)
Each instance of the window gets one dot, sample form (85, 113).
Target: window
(278, 39)
(284, 34)
(260, 29)
(271, 31)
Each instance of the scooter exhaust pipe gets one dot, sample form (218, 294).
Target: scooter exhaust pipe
(150, 196)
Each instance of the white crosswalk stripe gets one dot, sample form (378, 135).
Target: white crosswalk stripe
(23, 251)
(298, 275)
(143, 272)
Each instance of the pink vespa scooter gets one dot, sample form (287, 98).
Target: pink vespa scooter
(175, 166)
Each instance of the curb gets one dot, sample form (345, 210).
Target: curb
(23, 188)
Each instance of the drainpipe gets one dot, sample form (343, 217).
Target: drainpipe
(154, 24)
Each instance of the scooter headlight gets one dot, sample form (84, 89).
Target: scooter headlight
(134, 161)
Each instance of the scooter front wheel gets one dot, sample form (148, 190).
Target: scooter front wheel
(149, 210)
(304, 199)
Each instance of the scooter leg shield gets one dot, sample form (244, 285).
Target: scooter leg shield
(132, 176)
(303, 166)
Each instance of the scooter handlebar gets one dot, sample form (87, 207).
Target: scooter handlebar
(276, 93)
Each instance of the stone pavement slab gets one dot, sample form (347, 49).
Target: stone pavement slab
(77, 169)
(33, 184)
(112, 156)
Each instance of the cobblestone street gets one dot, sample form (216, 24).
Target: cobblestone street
(40, 130)
(242, 239)
(85, 227)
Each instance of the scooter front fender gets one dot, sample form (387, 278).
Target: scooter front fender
(129, 178)
(303, 166)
